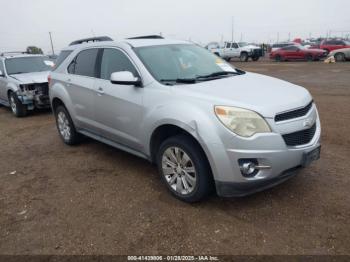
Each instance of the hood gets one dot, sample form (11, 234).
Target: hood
(344, 50)
(31, 78)
(263, 94)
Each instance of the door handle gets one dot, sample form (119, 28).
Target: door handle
(69, 82)
(100, 91)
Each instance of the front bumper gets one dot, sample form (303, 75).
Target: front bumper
(269, 150)
(230, 189)
(34, 95)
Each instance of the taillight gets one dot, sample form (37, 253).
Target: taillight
(49, 79)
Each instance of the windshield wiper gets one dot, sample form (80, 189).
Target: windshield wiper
(180, 80)
(18, 73)
(220, 73)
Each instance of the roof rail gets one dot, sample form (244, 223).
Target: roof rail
(13, 52)
(147, 37)
(91, 39)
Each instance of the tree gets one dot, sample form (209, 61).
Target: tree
(34, 50)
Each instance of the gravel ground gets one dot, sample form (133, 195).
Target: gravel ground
(94, 199)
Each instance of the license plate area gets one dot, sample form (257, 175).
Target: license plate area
(311, 156)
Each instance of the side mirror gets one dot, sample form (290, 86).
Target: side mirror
(1, 74)
(125, 78)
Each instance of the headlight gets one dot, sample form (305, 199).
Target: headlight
(241, 121)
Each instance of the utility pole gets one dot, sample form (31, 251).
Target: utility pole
(233, 26)
(53, 51)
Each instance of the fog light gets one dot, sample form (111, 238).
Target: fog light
(250, 167)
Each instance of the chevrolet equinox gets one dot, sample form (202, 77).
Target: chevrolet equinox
(205, 124)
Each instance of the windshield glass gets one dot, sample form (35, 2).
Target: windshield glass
(181, 61)
(21, 65)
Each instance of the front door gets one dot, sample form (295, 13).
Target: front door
(118, 108)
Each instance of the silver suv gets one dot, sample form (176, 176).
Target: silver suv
(207, 125)
(23, 82)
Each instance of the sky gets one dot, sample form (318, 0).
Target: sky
(28, 22)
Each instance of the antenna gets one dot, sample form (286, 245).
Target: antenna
(53, 51)
(233, 27)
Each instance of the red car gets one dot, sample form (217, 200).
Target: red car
(297, 53)
(330, 45)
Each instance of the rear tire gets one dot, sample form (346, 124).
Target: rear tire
(184, 168)
(65, 127)
(17, 108)
(244, 57)
(255, 58)
(278, 58)
(309, 58)
(339, 57)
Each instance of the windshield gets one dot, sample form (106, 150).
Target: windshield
(21, 65)
(182, 61)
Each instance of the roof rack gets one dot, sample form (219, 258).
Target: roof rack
(147, 37)
(13, 52)
(91, 39)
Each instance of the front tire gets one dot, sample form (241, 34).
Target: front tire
(65, 127)
(339, 57)
(184, 168)
(17, 108)
(255, 58)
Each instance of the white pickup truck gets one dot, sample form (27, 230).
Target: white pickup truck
(241, 50)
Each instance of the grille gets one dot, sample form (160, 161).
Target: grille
(301, 137)
(294, 113)
(42, 88)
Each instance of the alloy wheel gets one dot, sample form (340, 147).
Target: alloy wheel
(13, 104)
(63, 126)
(179, 170)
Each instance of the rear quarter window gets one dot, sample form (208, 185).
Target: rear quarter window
(62, 56)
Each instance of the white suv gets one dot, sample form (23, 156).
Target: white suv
(23, 82)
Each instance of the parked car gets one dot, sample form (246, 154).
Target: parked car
(334, 44)
(341, 55)
(241, 50)
(206, 124)
(297, 53)
(23, 82)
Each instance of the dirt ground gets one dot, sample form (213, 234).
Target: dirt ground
(94, 199)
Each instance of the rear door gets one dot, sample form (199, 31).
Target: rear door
(79, 83)
(227, 50)
(118, 108)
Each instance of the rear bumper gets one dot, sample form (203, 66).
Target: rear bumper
(232, 189)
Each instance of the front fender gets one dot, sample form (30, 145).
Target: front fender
(201, 124)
